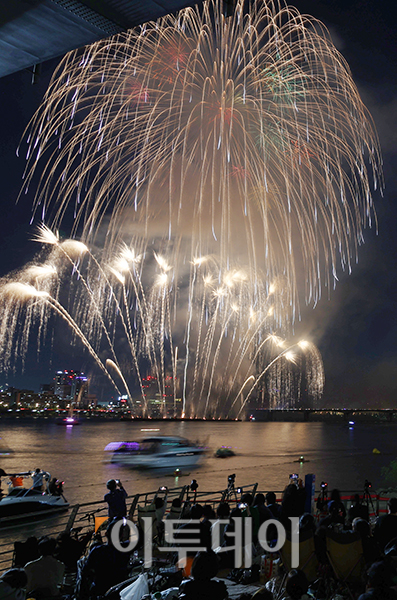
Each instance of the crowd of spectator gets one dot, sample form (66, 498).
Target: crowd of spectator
(102, 566)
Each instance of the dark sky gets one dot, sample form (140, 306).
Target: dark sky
(356, 327)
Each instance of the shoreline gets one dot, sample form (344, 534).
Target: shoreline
(349, 417)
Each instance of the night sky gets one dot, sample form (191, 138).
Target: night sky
(355, 327)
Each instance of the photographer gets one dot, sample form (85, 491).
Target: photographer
(115, 499)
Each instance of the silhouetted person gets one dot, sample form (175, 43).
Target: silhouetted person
(333, 518)
(296, 585)
(115, 498)
(379, 580)
(264, 511)
(222, 514)
(205, 567)
(45, 574)
(357, 510)
(293, 503)
(371, 549)
(386, 526)
(105, 567)
(272, 505)
(335, 497)
(13, 584)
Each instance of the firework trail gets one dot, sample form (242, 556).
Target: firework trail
(229, 165)
(231, 347)
(245, 135)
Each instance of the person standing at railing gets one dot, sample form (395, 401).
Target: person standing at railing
(115, 499)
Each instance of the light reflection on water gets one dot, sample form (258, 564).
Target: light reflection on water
(265, 453)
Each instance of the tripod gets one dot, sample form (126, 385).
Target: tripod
(322, 500)
(367, 497)
(230, 490)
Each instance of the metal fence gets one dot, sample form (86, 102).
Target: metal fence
(83, 516)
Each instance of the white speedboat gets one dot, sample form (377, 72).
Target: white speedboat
(21, 503)
(157, 452)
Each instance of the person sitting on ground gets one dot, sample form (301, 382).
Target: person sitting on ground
(45, 574)
(370, 547)
(357, 509)
(296, 586)
(175, 510)
(335, 497)
(307, 523)
(273, 506)
(379, 583)
(105, 567)
(386, 525)
(264, 512)
(206, 525)
(227, 557)
(334, 517)
(222, 514)
(26, 551)
(12, 584)
(184, 531)
(115, 498)
(208, 512)
(252, 512)
(69, 549)
(202, 585)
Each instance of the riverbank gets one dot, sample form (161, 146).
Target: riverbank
(348, 416)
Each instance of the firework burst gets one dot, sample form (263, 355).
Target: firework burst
(181, 345)
(245, 135)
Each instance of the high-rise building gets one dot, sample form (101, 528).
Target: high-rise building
(71, 385)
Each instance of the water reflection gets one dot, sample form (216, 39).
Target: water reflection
(264, 452)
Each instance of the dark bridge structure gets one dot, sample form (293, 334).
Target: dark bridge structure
(34, 31)
(331, 415)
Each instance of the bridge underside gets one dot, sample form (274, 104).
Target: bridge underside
(33, 31)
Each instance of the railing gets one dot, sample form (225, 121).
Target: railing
(82, 516)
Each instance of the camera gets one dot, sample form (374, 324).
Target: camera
(231, 479)
(193, 485)
(323, 485)
(367, 484)
(294, 476)
(163, 488)
(242, 505)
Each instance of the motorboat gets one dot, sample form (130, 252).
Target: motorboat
(22, 502)
(157, 452)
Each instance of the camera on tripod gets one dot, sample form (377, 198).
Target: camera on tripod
(323, 485)
(367, 485)
(231, 479)
(194, 485)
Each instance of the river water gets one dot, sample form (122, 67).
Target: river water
(265, 453)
